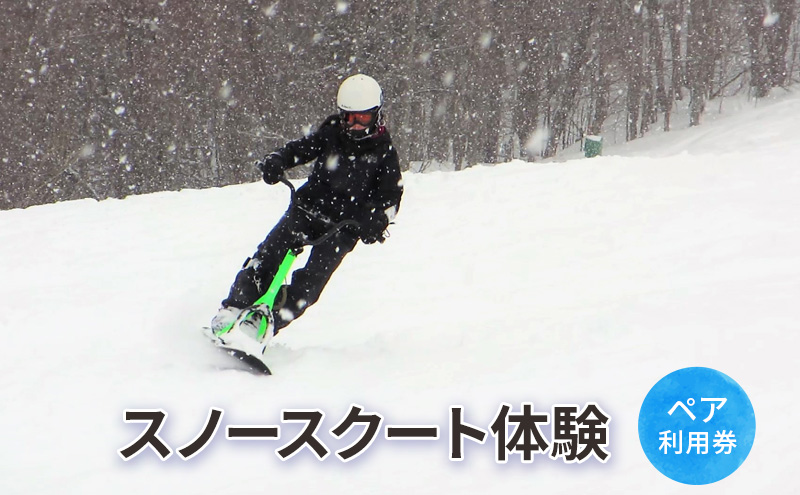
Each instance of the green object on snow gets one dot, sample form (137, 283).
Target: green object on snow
(592, 146)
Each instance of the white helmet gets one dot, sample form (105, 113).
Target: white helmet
(359, 93)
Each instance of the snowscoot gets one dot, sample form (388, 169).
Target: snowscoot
(246, 339)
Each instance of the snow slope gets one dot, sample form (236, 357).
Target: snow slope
(553, 283)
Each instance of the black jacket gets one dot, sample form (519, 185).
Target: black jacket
(348, 177)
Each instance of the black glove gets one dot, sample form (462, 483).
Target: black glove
(271, 169)
(373, 222)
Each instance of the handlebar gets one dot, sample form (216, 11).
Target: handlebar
(334, 227)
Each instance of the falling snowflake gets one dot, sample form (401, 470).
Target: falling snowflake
(87, 150)
(225, 91)
(448, 78)
(486, 39)
(771, 19)
(537, 141)
(271, 11)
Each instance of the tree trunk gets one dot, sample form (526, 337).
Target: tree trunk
(579, 54)
(673, 18)
(778, 40)
(700, 54)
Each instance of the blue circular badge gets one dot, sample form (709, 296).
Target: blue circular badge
(696, 426)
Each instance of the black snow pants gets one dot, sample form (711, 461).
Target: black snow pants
(292, 231)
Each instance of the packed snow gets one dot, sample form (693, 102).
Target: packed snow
(585, 280)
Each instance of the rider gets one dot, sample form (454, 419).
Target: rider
(355, 176)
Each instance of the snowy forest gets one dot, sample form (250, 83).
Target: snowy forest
(108, 98)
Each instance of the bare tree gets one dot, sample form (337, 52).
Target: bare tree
(115, 97)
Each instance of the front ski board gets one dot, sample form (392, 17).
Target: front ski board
(252, 363)
(247, 361)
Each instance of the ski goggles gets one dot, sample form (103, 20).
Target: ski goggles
(365, 119)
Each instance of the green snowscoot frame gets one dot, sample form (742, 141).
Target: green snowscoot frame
(262, 307)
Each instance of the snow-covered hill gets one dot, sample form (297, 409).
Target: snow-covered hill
(555, 283)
